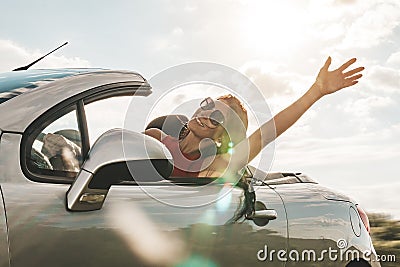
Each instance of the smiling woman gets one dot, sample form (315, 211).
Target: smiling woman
(222, 124)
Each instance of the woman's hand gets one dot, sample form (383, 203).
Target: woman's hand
(328, 82)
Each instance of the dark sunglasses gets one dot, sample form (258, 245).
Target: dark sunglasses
(216, 117)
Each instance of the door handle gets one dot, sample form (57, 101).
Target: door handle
(268, 214)
(261, 215)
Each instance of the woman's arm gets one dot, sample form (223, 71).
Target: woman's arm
(155, 133)
(327, 82)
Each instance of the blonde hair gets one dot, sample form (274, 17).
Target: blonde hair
(237, 130)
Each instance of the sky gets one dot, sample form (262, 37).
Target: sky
(348, 141)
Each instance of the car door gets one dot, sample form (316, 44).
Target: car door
(195, 228)
(133, 227)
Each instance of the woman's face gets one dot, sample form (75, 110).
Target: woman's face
(202, 126)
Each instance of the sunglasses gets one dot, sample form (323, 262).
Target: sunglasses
(216, 117)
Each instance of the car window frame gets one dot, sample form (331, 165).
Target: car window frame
(79, 100)
(48, 118)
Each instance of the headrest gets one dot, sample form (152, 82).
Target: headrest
(170, 124)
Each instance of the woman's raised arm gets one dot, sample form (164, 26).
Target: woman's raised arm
(326, 83)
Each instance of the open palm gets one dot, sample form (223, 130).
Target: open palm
(332, 81)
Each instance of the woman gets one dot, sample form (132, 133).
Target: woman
(224, 121)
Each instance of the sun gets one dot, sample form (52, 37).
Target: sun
(272, 28)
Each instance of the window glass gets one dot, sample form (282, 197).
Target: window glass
(56, 149)
(106, 114)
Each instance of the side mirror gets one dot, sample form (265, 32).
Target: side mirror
(118, 155)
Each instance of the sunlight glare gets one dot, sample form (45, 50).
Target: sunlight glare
(272, 29)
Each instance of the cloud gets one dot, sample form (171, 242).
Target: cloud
(177, 31)
(346, 127)
(273, 81)
(384, 79)
(394, 60)
(345, 1)
(190, 8)
(14, 55)
(335, 134)
(366, 147)
(362, 108)
(374, 26)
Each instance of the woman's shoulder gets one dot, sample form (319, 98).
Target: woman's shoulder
(156, 133)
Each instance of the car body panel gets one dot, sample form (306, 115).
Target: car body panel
(16, 83)
(10, 168)
(315, 222)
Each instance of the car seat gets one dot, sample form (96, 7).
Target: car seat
(172, 125)
(56, 161)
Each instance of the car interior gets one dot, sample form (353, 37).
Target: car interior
(43, 159)
(172, 125)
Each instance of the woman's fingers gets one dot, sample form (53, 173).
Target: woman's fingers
(347, 64)
(352, 72)
(350, 83)
(327, 63)
(353, 78)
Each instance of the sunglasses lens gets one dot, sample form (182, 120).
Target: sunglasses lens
(216, 117)
(207, 104)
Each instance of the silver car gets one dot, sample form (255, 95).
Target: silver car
(114, 204)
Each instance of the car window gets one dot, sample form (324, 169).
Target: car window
(56, 149)
(105, 114)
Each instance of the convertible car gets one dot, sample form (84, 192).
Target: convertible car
(114, 203)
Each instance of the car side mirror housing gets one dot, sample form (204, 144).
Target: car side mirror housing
(117, 155)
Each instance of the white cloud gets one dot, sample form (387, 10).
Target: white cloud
(345, 1)
(383, 79)
(273, 81)
(363, 107)
(14, 56)
(170, 43)
(177, 31)
(190, 8)
(373, 26)
(300, 152)
(394, 59)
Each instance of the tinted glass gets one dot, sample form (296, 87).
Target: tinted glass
(56, 150)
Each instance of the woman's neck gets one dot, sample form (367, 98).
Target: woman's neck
(189, 144)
